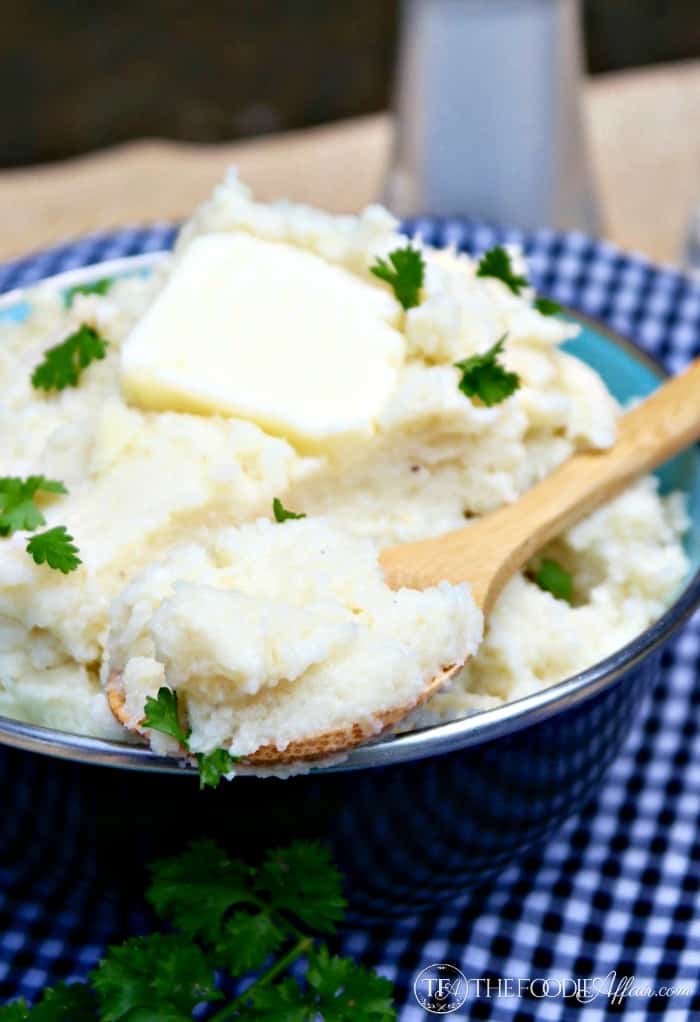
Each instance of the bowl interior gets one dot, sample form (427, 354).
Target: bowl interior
(628, 373)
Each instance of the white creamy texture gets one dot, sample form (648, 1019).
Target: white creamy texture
(147, 485)
(275, 632)
(283, 339)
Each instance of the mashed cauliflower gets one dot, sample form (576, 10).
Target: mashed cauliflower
(264, 627)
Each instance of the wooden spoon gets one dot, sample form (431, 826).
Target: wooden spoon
(489, 552)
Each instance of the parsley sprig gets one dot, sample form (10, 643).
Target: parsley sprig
(56, 548)
(497, 263)
(484, 377)
(97, 287)
(231, 920)
(403, 270)
(63, 364)
(162, 714)
(282, 514)
(547, 307)
(18, 507)
(20, 512)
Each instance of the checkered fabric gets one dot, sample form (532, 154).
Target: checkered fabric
(615, 891)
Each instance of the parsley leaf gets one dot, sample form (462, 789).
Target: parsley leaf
(284, 1002)
(196, 889)
(213, 766)
(547, 307)
(280, 512)
(18, 509)
(56, 548)
(403, 270)
(97, 287)
(247, 941)
(167, 971)
(555, 579)
(484, 377)
(59, 1003)
(63, 364)
(346, 992)
(497, 263)
(302, 880)
(15, 1011)
(161, 714)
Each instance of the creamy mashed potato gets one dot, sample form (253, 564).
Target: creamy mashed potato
(278, 632)
(258, 623)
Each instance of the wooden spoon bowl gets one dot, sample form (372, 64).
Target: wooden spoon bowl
(490, 551)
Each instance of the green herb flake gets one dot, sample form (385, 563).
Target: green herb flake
(63, 364)
(18, 508)
(282, 514)
(213, 766)
(555, 579)
(497, 263)
(161, 714)
(485, 378)
(96, 287)
(404, 271)
(56, 548)
(547, 307)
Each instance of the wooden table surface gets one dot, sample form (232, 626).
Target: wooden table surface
(644, 136)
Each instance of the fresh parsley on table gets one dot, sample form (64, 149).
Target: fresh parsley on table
(484, 377)
(63, 364)
(230, 920)
(403, 270)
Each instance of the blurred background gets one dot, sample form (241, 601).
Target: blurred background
(77, 75)
(129, 112)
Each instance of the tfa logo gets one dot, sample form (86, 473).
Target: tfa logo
(440, 989)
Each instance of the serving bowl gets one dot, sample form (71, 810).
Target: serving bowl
(412, 818)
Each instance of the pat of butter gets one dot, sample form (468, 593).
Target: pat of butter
(267, 332)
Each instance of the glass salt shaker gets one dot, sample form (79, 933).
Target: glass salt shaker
(489, 122)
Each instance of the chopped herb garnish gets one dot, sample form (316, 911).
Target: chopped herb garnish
(255, 925)
(56, 548)
(213, 766)
(484, 377)
(18, 509)
(497, 263)
(63, 364)
(162, 714)
(555, 579)
(547, 307)
(97, 287)
(403, 270)
(281, 514)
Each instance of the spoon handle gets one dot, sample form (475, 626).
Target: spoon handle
(490, 551)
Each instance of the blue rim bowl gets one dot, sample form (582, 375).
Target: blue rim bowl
(438, 809)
